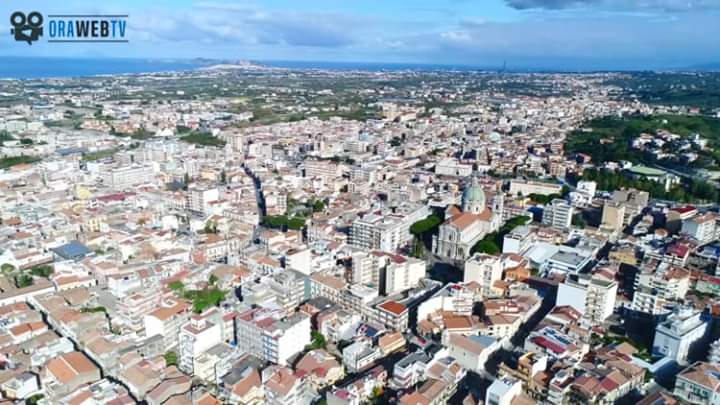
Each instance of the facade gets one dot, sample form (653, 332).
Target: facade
(502, 391)
(125, 177)
(703, 228)
(464, 227)
(699, 384)
(679, 334)
(386, 231)
(613, 216)
(558, 214)
(267, 335)
(485, 270)
(196, 337)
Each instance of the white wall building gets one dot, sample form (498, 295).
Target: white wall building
(675, 337)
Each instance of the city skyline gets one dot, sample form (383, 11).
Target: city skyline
(527, 34)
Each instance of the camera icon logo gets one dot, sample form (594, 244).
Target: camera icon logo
(26, 28)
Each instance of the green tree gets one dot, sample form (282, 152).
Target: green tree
(42, 271)
(176, 286)
(7, 268)
(171, 359)
(23, 280)
(213, 279)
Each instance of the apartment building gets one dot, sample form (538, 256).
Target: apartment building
(195, 338)
(485, 270)
(699, 384)
(558, 214)
(167, 321)
(267, 334)
(125, 177)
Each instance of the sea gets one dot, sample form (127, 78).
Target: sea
(42, 67)
(38, 67)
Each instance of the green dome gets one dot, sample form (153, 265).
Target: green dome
(473, 198)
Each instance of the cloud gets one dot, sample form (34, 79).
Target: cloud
(657, 5)
(622, 42)
(242, 24)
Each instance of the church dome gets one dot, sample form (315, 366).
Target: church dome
(473, 198)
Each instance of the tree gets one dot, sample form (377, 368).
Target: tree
(42, 271)
(171, 359)
(213, 279)
(7, 268)
(223, 177)
(176, 285)
(318, 340)
(579, 221)
(486, 246)
(23, 281)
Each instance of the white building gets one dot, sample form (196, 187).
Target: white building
(387, 231)
(594, 297)
(558, 214)
(675, 337)
(485, 270)
(502, 391)
(518, 241)
(703, 228)
(126, 177)
(699, 384)
(196, 337)
(359, 355)
(200, 195)
(266, 334)
(403, 274)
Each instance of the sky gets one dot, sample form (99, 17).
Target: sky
(540, 34)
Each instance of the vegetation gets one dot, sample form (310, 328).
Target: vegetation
(92, 156)
(687, 89)
(23, 280)
(176, 285)
(492, 243)
(92, 310)
(203, 139)
(35, 399)
(210, 227)
(5, 136)
(318, 341)
(11, 161)
(42, 271)
(610, 138)
(427, 225)
(543, 199)
(295, 222)
(689, 190)
(171, 359)
(204, 299)
(7, 268)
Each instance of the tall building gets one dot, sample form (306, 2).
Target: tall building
(592, 296)
(266, 334)
(125, 177)
(558, 214)
(200, 195)
(680, 334)
(403, 273)
(703, 228)
(613, 216)
(386, 230)
(484, 270)
(699, 384)
(196, 337)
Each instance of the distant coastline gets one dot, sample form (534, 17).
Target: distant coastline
(20, 67)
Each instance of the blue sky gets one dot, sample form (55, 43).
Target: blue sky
(584, 34)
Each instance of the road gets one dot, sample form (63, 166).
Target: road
(477, 383)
